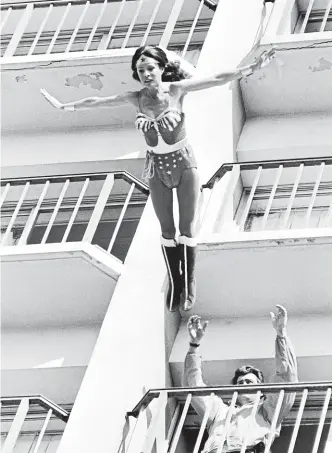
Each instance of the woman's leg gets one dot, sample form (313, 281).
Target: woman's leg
(162, 199)
(188, 196)
(188, 193)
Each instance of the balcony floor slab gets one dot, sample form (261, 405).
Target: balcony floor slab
(295, 266)
(56, 284)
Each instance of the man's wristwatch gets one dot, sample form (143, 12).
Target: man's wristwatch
(194, 345)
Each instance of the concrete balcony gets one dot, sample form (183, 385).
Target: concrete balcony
(79, 49)
(292, 96)
(66, 237)
(311, 411)
(266, 222)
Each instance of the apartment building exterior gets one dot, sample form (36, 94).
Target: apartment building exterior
(84, 328)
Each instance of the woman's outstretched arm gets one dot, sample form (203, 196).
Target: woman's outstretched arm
(92, 102)
(196, 84)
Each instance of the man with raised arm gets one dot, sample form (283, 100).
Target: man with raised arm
(241, 428)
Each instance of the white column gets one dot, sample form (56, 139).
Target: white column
(129, 356)
(215, 116)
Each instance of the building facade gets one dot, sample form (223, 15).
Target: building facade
(84, 328)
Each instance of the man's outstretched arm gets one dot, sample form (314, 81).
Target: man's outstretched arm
(192, 376)
(285, 367)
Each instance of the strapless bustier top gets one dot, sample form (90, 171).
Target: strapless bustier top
(169, 119)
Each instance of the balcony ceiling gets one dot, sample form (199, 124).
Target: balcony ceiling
(296, 272)
(56, 284)
(24, 108)
(297, 81)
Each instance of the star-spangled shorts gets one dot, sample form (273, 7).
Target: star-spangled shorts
(169, 167)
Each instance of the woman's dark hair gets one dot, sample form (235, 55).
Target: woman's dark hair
(172, 69)
(246, 369)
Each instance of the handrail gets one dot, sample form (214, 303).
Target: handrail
(210, 4)
(102, 33)
(37, 399)
(265, 164)
(44, 199)
(77, 177)
(222, 389)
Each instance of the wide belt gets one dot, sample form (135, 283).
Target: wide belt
(163, 148)
(259, 448)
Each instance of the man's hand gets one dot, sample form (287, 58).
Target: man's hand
(279, 320)
(52, 100)
(196, 329)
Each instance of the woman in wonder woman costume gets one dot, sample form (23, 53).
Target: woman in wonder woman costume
(170, 162)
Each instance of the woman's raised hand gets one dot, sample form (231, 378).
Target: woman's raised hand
(196, 329)
(52, 100)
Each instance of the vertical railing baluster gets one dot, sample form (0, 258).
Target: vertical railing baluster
(132, 23)
(31, 221)
(41, 28)
(173, 423)
(93, 31)
(271, 198)
(99, 208)
(298, 421)
(55, 212)
(173, 18)
(274, 422)
(252, 417)
(105, 43)
(15, 213)
(42, 431)
(154, 424)
(321, 421)
(152, 18)
(127, 443)
(4, 194)
(192, 28)
(326, 15)
(119, 222)
(307, 15)
(292, 197)
(328, 219)
(314, 194)
(6, 17)
(250, 198)
(181, 423)
(16, 426)
(203, 424)
(227, 423)
(78, 24)
(228, 197)
(57, 31)
(75, 211)
(19, 30)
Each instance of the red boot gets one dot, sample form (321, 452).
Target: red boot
(188, 248)
(171, 252)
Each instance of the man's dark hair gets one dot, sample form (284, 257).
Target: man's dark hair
(246, 369)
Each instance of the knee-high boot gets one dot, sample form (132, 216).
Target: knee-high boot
(171, 252)
(188, 248)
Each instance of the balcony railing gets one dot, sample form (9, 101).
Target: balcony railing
(30, 416)
(292, 17)
(312, 406)
(98, 208)
(95, 26)
(269, 195)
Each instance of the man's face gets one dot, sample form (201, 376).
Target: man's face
(247, 379)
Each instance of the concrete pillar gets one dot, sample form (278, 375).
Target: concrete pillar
(131, 353)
